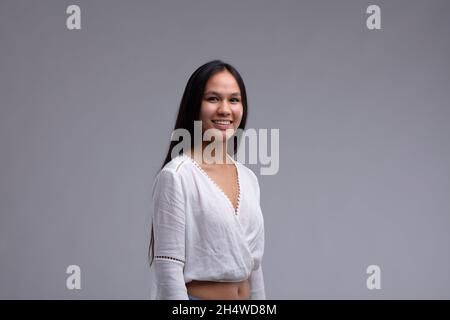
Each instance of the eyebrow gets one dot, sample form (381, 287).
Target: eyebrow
(218, 94)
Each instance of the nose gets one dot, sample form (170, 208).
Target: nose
(224, 108)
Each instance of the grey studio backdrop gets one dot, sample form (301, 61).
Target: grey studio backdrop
(363, 115)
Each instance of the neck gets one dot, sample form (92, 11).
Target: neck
(210, 153)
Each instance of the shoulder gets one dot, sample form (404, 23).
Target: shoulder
(177, 165)
(172, 172)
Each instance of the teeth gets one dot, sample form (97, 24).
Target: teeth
(222, 121)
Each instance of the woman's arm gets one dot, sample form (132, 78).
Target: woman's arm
(257, 277)
(258, 291)
(169, 231)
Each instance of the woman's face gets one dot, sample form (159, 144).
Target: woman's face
(221, 107)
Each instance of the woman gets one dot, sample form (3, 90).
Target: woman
(207, 239)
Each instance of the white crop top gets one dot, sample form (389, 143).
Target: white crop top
(198, 234)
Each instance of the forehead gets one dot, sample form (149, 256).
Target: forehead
(222, 82)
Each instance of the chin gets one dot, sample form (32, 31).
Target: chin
(223, 136)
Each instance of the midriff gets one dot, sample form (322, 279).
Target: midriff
(212, 290)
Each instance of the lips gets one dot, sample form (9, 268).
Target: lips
(222, 124)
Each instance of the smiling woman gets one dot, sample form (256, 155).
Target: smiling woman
(221, 107)
(207, 235)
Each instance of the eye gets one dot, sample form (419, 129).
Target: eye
(212, 99)
(234, 100)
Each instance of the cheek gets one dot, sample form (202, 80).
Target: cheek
(206, 112)
(237, 114)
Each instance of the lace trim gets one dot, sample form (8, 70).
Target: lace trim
(236, 210)
(168, 258)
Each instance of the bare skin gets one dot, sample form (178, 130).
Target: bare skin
(209, 290)
(225, 176)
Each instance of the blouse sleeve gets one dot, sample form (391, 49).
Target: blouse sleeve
(257, 276)
(258, 291)
(169, 236)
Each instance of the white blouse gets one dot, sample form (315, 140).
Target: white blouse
(198, 233)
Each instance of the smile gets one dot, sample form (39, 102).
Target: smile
(222, 124)
(222, 121)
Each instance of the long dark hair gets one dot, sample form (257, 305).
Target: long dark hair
(189, 111)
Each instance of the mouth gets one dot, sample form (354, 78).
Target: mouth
(222, 124)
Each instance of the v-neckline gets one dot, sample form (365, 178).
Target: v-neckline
(235, 210)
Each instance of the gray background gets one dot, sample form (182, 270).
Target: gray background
(363, 115)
